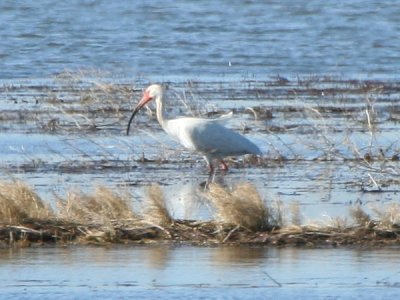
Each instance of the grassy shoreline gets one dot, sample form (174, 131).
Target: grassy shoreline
(241, 217)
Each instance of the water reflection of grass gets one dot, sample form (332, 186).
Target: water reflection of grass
(240, 217)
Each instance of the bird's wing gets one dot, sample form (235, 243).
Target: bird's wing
(223, 117)
(209, 137)
(212, 138)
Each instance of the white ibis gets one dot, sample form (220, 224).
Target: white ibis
(206, 136)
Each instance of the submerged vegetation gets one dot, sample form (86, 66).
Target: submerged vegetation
(241, 216)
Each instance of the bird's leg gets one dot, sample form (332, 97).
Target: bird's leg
(211, 175)
(223, 166)
(213, 171)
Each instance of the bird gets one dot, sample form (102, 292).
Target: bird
(208, 137)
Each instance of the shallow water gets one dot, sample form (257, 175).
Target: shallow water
(298, 77)
(213, 273)
(322, 171)
(192, 39)
(314, 135)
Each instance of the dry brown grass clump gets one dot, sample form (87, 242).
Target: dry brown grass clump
(100, 215)
(359, 216)
(18, 202)
(242, 206)
(388, 216)
(156, 211)
(102, 207)
(241, 216)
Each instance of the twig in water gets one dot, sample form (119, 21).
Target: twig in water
(374, 182)
(273, 280)
(368, 119)
(230, 233)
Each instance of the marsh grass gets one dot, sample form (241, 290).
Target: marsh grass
(18, 203)
(91, 101)
(155, 208)
(102, 207)
(85, 101)
(240, 216)
(241, 206)
(359, 216)
(388, 216)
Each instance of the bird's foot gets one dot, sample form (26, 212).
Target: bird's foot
(210, 179)
(223, 166)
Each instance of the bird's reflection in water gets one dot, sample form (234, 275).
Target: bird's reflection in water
(187, 201)
(246, 256)
(157, 256)
(190, 200)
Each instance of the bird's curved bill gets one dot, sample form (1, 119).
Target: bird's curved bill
(145, 99)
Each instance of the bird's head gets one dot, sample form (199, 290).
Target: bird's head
(153, 91)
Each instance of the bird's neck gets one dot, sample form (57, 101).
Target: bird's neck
(160, 110)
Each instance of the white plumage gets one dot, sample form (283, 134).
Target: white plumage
(208, 137)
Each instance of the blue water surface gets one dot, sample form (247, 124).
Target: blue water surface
(207, 39)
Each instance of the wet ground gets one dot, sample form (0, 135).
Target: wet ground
(328, 143)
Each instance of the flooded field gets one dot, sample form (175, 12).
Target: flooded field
(314, 84)
(328, 143)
